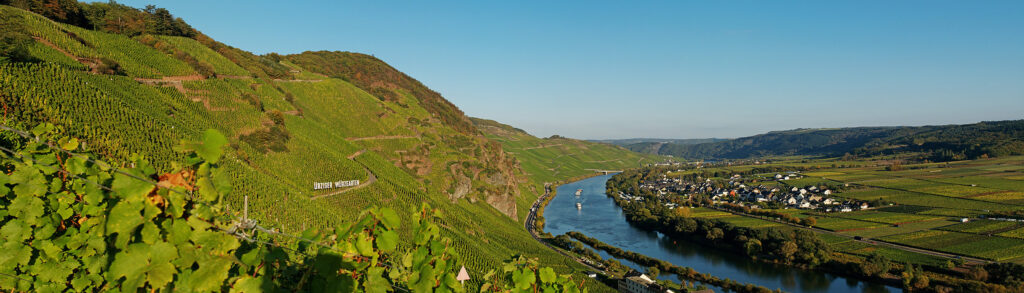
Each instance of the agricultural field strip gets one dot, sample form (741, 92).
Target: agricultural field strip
(908, 248)
(914, 191)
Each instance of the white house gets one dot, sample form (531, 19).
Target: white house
(634, 282)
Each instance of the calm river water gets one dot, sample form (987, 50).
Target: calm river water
(602, 219)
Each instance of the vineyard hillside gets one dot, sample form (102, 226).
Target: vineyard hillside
(291, 122)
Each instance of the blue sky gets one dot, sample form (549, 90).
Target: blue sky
(671, 69)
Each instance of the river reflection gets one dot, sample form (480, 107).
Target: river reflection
(600, 218)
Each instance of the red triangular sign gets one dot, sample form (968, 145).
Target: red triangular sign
(463, 275)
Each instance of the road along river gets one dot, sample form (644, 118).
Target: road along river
(600, 218)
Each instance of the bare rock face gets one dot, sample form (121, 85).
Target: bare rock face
(505, 203)
(463, 185)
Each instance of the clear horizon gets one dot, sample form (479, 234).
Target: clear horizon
(667, 69)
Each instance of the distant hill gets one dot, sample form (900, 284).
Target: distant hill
(555, 158)
(936, 143)
(631, 141)
(558, 158)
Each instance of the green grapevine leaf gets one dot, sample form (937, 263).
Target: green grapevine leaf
(390, 218)
(375, 281)
(15, 231)
(124, 218)
(363, 245)
(214, 241)
(163, 252)
(69, 144)
(387, 241)
(211, 274)
(14, 254)
(210, 149)
(150, 233)
(160, 274)
(130, 264)
(27, 207)
(180, 232)
(50, 272)
(130, 188)
(247, 284)
(426, 280)
(43, 128)
(75, 165)
(547, 275)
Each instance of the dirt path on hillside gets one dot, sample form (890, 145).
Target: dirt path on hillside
(605, 161)
(177, 82)
(381, 137)
(298, 80)
(372, 179)
(92, 63)
(233, 77)
(542, 146)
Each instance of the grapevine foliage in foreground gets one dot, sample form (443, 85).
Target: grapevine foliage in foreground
(523, 275)
(70, 223)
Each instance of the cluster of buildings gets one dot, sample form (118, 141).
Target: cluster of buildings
(737, 192)
(636, 282)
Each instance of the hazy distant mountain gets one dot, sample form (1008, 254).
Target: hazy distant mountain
(629, 141)
(946, 142)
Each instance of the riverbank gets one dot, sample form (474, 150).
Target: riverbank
(664, 266)
(602, 219)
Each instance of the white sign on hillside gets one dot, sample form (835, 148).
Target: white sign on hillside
(329, 185)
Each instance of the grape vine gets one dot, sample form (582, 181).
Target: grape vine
(69, 222)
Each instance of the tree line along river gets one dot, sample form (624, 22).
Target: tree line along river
(600, 218)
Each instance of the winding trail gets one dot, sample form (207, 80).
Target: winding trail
(372, 178)
(381, 137)
(92, 63)
(542, 146)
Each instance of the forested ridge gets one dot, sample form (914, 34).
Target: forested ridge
(934, 143)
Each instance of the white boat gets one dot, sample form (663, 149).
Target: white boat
(579, 191)
(579, 206)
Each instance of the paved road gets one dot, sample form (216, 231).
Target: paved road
(967, 259)
(372, 178)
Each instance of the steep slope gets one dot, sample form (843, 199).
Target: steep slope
(379, 78)
(404, 143)
(937, 143)
(558, 158)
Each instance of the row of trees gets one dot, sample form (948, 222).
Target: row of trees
(110, 17)
(786, 246)
(657, 266)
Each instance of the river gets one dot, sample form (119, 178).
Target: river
(600, 218)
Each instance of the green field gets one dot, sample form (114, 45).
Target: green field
(984, 227)
(927, 203)
(988, 247)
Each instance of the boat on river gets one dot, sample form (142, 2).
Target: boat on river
(579, 191)
(579, 206)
